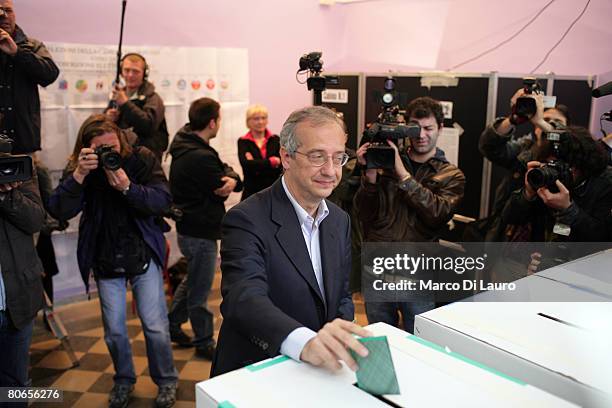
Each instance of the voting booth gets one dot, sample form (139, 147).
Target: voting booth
(427, 375)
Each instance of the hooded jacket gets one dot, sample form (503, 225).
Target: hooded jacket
(195, 173)
(390, 214)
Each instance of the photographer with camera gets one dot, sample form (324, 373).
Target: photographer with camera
(121, 190)
(499, 144)
(25, 63)
(21, 297)
(412, 202)
(568, 198)
(136, 105)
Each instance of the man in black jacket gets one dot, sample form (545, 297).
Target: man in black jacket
(200, 183)
(21, 216)
(138, 105)
(25, 63)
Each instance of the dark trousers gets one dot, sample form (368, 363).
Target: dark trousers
(14, 347)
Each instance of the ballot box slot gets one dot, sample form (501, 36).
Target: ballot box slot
(556, 319)
(379, 397)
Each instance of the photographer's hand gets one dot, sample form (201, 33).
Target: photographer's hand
(556, 201)
(118, 179)
(119, 95)
(5, 188)
(528, 191)
(370, 173)
(538, 118)
(7, 44)
(87, 161)
(400, 170)
(112, 114)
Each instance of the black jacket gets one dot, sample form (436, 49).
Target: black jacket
(195, 173)
(21, 215)
(269, 287)
(20, 76)
(258, 172)
(144, 113)
(589, 216)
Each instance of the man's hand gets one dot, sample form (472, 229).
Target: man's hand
(517, 94)
(112, 114)
(5, 188)
(227, 187)
(7, 44)
(331, 344)
(361, 152)
(119, 95)
(400, 170)
(528, 191)
(536, 259)
(275, 161)
(556, 201)
(87, 161)
(118, 179)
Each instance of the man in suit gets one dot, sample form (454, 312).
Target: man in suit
(286, 258)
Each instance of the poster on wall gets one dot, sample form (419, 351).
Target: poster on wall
(179, 74)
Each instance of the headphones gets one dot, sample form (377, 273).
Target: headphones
(135, 54)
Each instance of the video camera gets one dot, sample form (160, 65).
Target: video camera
(556, 169)
(390, 125)
(13, 167)
(312, 65)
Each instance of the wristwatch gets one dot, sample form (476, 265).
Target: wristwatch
(125, 190)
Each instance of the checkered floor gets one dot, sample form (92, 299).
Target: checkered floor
(88, 384)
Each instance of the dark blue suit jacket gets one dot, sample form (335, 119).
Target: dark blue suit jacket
(268, 285)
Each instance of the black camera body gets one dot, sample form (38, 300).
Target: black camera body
(557, 169)
(526, 107)
(312, 64)
(108, 157)
(13, 168)
(390, 125)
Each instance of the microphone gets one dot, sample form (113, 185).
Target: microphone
(605, 89)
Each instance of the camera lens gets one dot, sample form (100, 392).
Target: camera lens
(111, 160)
(387, 98)
(389, 84)
(535, 178)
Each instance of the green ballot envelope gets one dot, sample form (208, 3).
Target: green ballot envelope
(376, 373)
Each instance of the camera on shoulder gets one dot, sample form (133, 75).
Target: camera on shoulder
(390, 125)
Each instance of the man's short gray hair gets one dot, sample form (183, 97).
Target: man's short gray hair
(315, 116)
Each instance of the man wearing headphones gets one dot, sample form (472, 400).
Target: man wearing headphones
(138, 106)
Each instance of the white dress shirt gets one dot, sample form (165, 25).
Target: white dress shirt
(293, 345)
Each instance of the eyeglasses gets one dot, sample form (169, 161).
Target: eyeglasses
(318, 159)
(5, 11)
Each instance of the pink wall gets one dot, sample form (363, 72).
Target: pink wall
(275, 32)
(372, 36)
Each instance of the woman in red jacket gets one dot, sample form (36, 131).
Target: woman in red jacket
(258, 152)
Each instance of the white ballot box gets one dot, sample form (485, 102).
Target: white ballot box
(591, 274)
(562, 348)
(428, 376)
